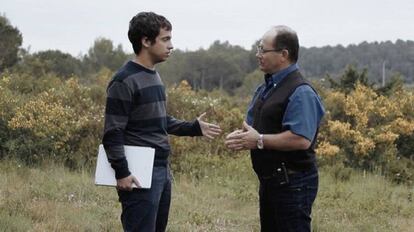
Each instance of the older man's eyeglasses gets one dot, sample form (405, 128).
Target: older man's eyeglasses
(260, 50)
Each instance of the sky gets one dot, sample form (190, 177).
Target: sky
(72, 26)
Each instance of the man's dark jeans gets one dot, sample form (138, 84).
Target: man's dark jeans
(288, 208)
(146, 210)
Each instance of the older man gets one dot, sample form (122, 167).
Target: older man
(280, 130)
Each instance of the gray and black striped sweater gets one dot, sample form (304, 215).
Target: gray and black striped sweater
(136, 115)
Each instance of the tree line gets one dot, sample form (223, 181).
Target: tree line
(221, 66)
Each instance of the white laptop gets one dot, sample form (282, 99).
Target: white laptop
(140, 164)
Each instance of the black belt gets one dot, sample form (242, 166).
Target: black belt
(273, 175)
(277, 172)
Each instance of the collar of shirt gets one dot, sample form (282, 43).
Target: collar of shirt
(270, 81)
(276, 78)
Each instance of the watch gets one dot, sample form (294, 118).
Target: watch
(260, 144)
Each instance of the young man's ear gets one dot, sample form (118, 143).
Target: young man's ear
(146, 42)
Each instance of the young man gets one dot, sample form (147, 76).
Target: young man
(136, 115)
(280, 130)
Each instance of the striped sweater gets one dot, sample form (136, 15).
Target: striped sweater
(135, 114)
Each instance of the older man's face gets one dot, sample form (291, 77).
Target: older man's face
(269, 59)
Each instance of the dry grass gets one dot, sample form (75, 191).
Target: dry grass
(219, 195)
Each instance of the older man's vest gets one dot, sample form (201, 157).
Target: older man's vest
(268, 115)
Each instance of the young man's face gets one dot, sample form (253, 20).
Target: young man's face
(160, 50)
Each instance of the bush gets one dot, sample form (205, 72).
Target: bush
(50, 118)
(363, 129)
(184, 103)
(61, 123)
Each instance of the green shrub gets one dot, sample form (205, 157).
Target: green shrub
(184, 103)
(61, 123)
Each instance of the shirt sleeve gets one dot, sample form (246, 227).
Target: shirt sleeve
(117, 110)
(304, 112)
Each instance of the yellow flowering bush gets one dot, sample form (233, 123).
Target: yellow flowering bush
(368, 128)
(63, 119)
(402, 126)
(8, 102)
(386, 137)
(61, 122)
(340, 131)
(326, 149)
(333, 98)
(45, 119)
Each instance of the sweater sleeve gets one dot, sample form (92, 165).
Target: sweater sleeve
(183, 128)
(117, 110)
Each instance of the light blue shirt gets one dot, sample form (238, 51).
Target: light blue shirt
(304, 110)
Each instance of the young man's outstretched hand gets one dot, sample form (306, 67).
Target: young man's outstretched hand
(209, 130)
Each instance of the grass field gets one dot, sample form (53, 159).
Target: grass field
(209, 194)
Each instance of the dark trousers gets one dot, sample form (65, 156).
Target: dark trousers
(146, 210)
(288, 208)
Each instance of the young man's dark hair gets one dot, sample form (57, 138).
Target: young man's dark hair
(146, 24)
(287, 39)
